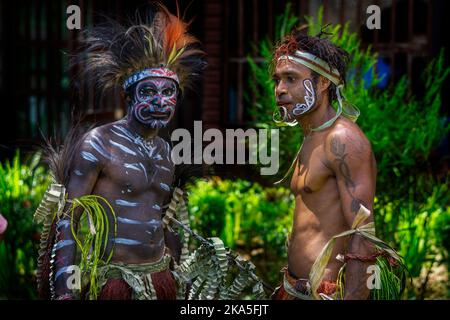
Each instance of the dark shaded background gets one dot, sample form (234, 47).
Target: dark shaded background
(35, 86)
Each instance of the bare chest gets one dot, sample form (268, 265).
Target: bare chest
(135, 168)
(310, 174)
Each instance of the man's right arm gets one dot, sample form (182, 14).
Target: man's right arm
(84, 172)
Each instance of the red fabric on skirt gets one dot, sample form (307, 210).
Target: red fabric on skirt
(325, 287)
(118, 289)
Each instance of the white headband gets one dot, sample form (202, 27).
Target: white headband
(316, 64)
(161, 72)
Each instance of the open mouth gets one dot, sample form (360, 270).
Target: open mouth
(146, 113)
(160, 115)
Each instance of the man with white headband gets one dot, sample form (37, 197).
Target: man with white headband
(334, 172)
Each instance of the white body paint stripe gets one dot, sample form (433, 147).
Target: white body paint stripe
(132, 166)
(145, 171)
(78, 173)
(88, 156)
(63, 243)
(122, 147)
(164, 186)
(125, 203)
(128, 242)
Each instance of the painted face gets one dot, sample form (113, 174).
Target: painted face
(154, 101)
(294, 89)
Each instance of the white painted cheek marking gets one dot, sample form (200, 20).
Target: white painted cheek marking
(88, 156)
(141, 117)
(310, 94)
(301, 108)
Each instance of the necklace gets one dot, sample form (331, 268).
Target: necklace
(148, 146)
(139, 140)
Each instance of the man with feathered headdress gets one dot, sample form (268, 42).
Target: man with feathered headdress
(120, 174)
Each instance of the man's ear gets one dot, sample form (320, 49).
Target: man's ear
(127, 98)
(323, 84)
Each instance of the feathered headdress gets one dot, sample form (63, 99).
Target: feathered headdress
(157, 46)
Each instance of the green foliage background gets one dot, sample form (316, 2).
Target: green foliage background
(411, 208)
(249, 218)
(22, 186)
(412, 205)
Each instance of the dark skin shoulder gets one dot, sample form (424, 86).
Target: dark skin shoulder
(349, 155)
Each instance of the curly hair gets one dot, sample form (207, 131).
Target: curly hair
(317, 45)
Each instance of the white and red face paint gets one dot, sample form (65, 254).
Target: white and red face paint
(154, 101)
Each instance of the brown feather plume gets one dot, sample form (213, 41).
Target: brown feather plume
(112, 52)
